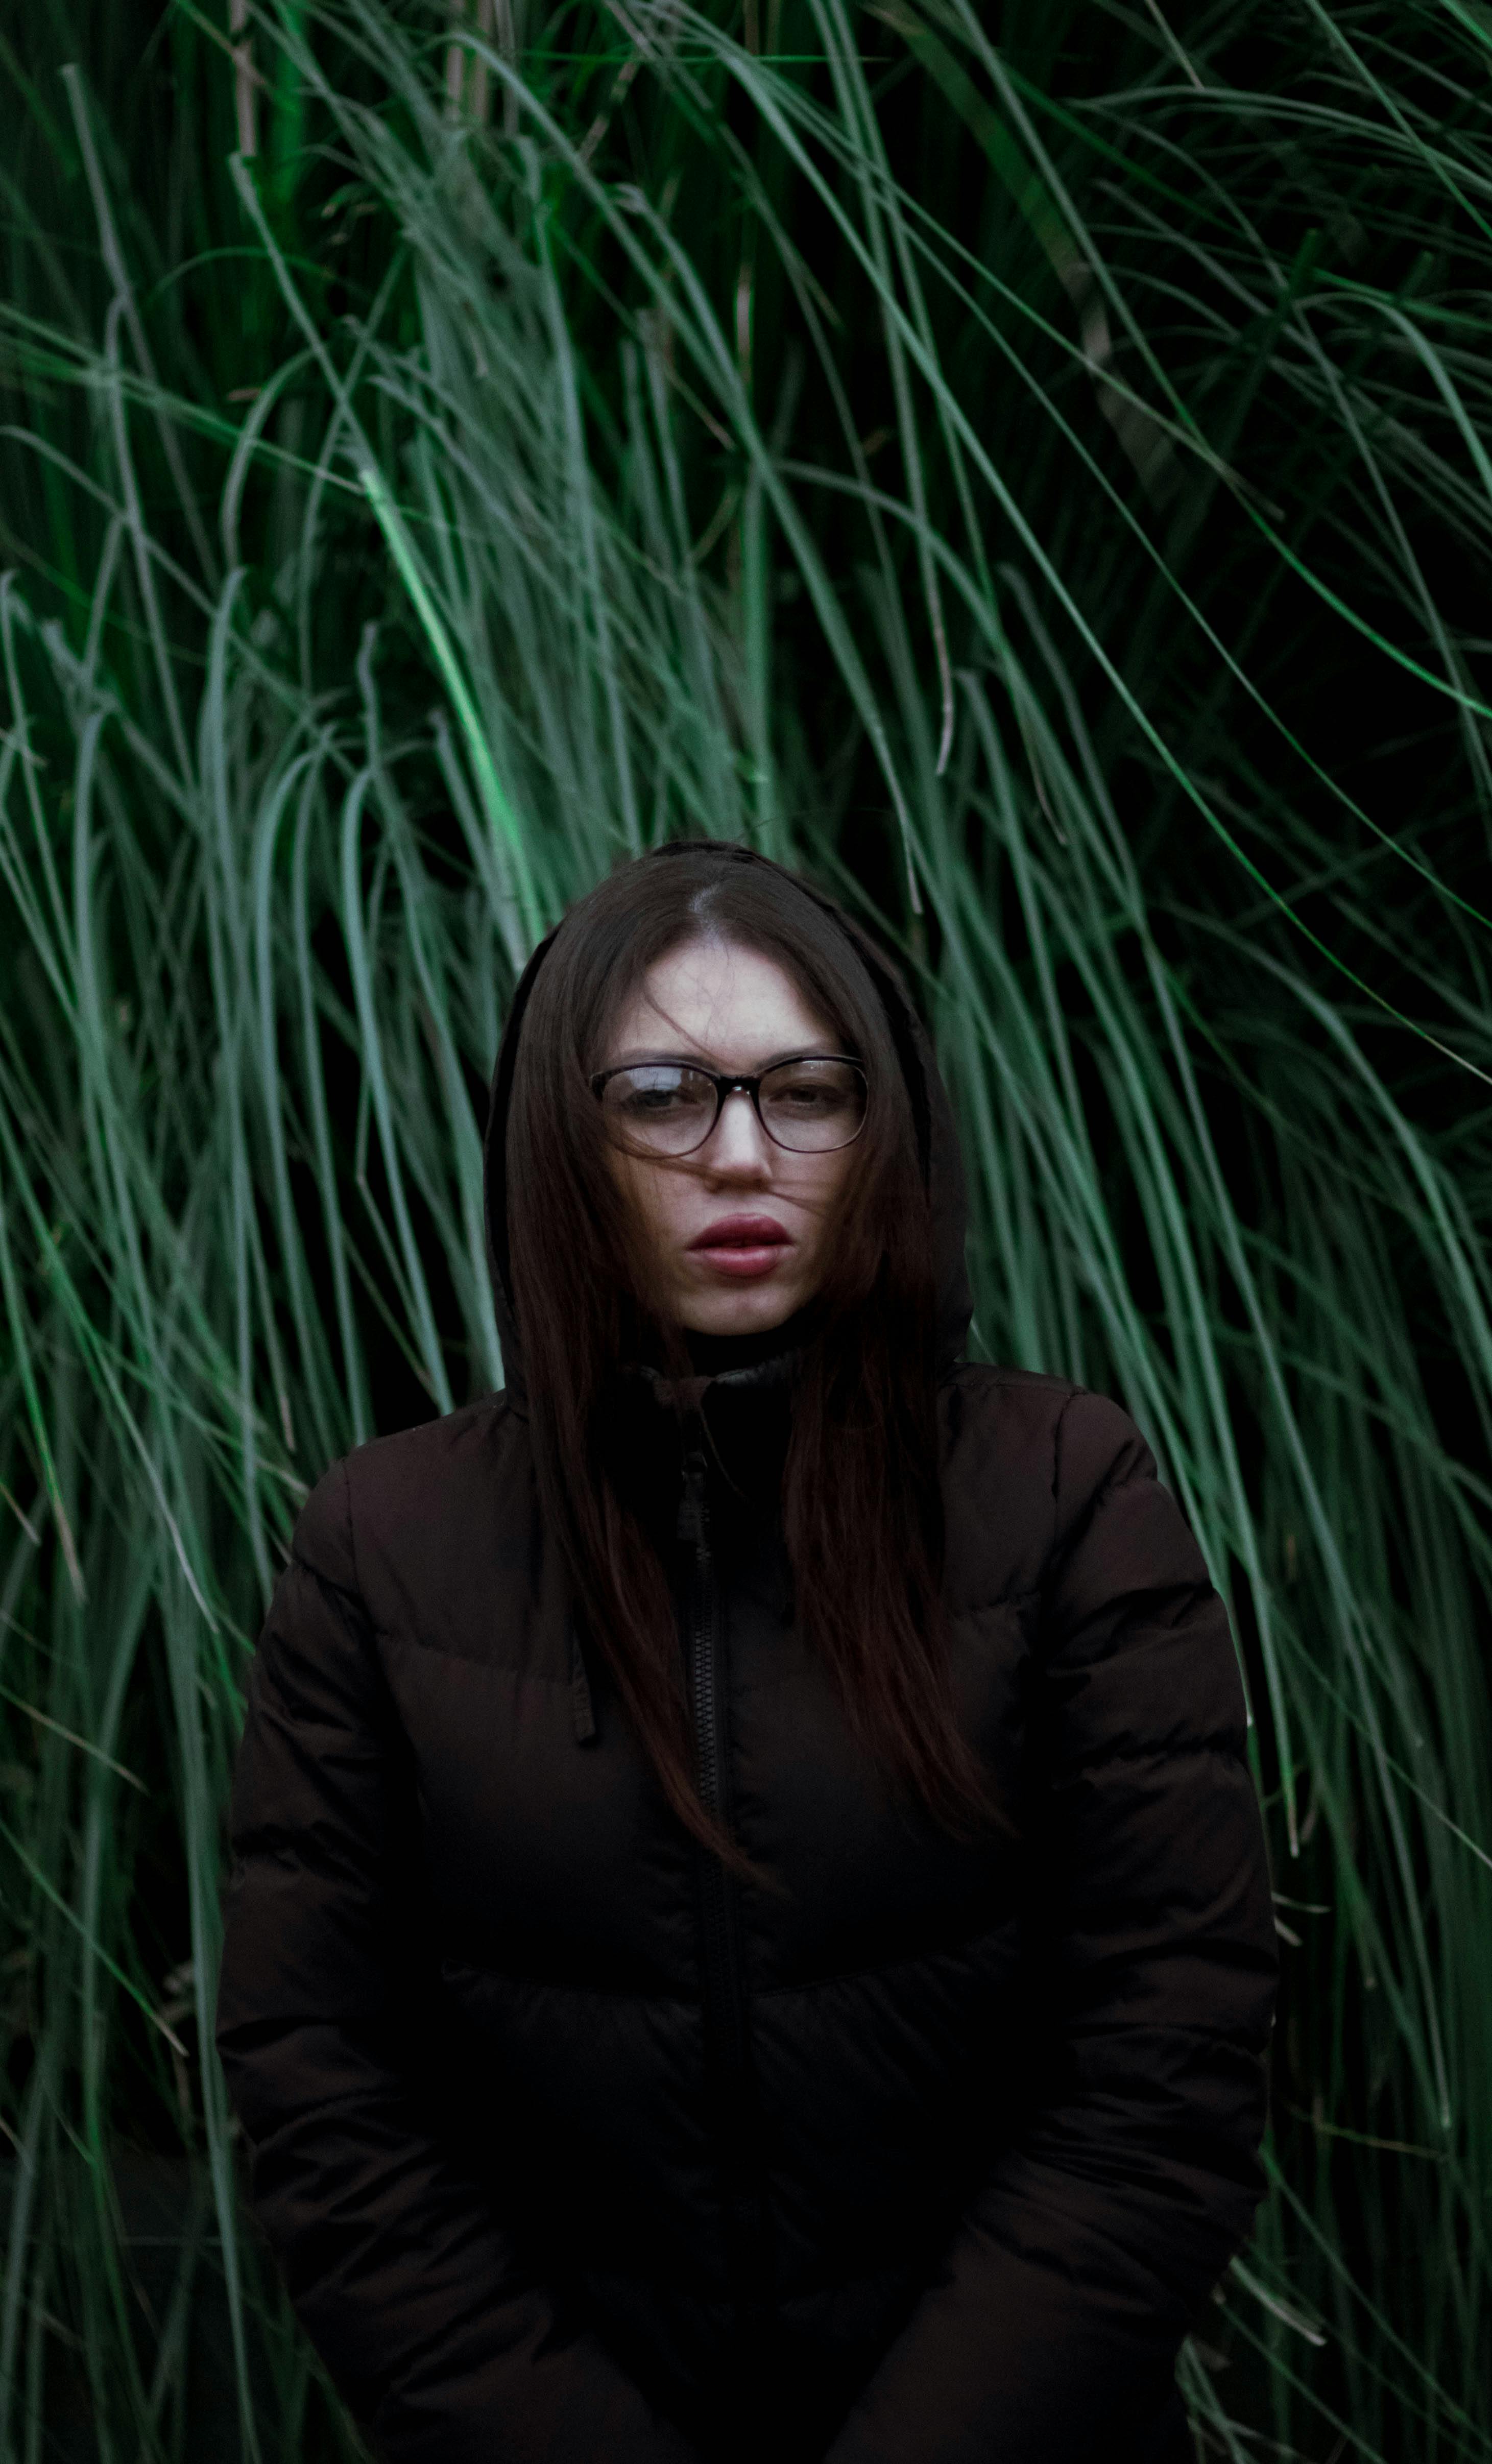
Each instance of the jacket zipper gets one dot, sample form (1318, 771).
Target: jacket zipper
(726, 2048)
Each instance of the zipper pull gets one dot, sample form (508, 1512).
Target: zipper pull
(692, 1504)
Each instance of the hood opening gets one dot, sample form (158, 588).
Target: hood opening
(938, 1143)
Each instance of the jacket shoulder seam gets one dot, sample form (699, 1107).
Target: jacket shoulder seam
(352, 1530)
(995, 1373)
(1221, 1746)
(1056, 1438)
(1114, 1479)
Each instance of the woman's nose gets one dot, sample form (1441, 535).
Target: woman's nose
(738, 1141)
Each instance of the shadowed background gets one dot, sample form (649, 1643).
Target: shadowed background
(1028, 467)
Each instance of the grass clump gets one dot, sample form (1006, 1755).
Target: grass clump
(1042, 489)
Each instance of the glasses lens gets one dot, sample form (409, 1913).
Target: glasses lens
(813, 1106)
(658, 1108)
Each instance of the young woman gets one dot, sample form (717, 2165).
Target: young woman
(749, 1935)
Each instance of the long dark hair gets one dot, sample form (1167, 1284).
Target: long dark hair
(862, 1502)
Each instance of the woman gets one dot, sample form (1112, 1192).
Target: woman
(749, 1936)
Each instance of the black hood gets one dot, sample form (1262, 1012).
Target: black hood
(938, 1140)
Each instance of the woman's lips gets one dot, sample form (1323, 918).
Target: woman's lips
(742, 1246)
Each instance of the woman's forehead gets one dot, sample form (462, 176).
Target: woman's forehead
(718, 998)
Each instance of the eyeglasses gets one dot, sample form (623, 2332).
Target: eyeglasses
(810, 1104)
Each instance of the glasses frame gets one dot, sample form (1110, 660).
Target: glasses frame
(726, 1085)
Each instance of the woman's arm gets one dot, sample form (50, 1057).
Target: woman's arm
(1050, 2333)
(444, 2345)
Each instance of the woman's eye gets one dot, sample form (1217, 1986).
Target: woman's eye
(648, 1099)
(810, 1095)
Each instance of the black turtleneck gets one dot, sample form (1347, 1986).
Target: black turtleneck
(714, 1355)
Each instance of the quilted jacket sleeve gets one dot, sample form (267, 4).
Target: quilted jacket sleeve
(408, 2286)
(1050, 2332)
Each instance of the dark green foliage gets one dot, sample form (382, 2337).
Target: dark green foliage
(1042, 489)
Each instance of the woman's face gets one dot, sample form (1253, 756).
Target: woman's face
(738, 1228)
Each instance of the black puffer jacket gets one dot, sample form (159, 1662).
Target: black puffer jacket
(575, 2152)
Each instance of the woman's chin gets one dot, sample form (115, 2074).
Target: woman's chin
(747, 1310)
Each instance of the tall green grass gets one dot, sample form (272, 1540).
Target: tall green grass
(1043, 487)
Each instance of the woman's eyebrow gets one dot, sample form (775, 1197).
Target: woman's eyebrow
(693, 1058)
